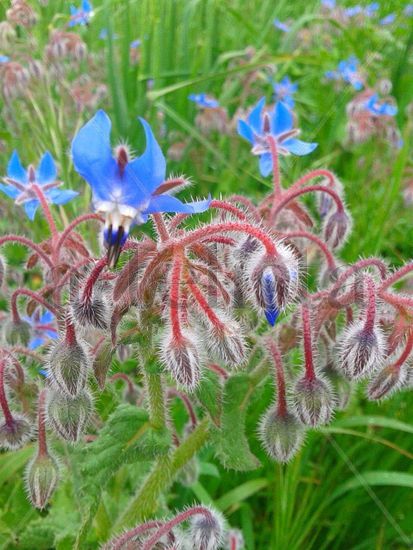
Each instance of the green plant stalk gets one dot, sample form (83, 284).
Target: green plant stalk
(156, 400)
(145, 502)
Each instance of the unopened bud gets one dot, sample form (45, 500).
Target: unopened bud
(42, 475)
(92, 310)
(313, 400)
(280, 434)
(361, 350)
(386, 382)
(336, 228)
(226, 342)
(181, 357)
(102, 363)
(69, 416)
(68, 365)
(15, 432)
(207, 530)
(17, 332)
(235, 540)
(325, 201)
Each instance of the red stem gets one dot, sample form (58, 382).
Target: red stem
(46, 210)
(397, 275)
(125, 378)
(321, 244)
(406, 352)
(218, 370)
(41, 419)
(308, 346)
(66, 232)
(34, 296)
(3, 399)
(200, 298)
(312, 175)
(275, 169)
(119, 543)
(160, 227)
(223, 205)
(291, 195)
(188, 405)
(174, 296)
(27, 242)
(280, 378)
(70, 337)
(370, 291)
(93, 277)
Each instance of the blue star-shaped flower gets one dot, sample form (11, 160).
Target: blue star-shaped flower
(371, 9)
(126, 191)
(20, 184)
(284, 91)
(279, 125)
(4, 59)
(281, 26)
(348, 70)
(135, 44)
(82, 15)
(204, 101)
(42, 328)
(329, 4)
(380, 108)
(388, 20)
(353, 11)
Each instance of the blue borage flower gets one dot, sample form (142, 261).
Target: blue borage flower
(284, 91)
(125, 190)
(4, 59)
(408, 10)
(42, 328)
(329, 4)
(82, 15)
(203, 100)
(380, 108)
(388, 20)
(279, 124)
(347, 70)
(104, 35)
(281, 26)
(135, 44)
(20, 184)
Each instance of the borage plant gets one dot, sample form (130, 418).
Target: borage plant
(210, 313)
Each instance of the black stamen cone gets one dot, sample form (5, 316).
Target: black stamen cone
(115, 246)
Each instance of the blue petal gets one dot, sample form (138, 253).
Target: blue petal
(298, 147)
(30, 208)
(36, 342)
(47, 171)
(245, 131)
(73, 10)
(272, 314)
(52, 334)
(15, 169)
(92, 156)
(265, 164)
(167, 203)
(149, 168)
(254, 118)
(282, 119)
(46, 318)
(61, 196)
(86, 6)
(10, 191)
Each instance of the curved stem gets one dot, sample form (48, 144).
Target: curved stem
(291, 195)
(224, 205)
(172, 392)
(312, 175)
(397, 275)
(321, 244)
(279, 373)
(200, 298)
(66, 232)
(160, 227)
(34, 296)
(27, 242)
(41, 422)
(93, 277)
(308, 346)
(119, 543)
(46, 210)
(3, 399)
(370, 291)
(174, 296)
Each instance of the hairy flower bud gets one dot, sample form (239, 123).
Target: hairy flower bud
(324, 200)
(102, 363)
(206, 530)
(69, 416)
(181, 357)
(68, 365)
(280, 434)
(42, 475)
(226, 342)
(273, 280)
(17, 333)
(93, 310)
(361, 350)
(15, 432)
(386, 382)
(336, 228)
(313, 400)
(235, 540)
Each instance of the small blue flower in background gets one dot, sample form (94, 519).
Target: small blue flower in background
(388, 20)
(284, 91)
(4, 59)
(42, 329)
(204, 101)
(125, 190)
(380, 108)
(408, 10)
(104, 35)
(19, 184)
(353, 11)
(371, 9)
(348, 71)
(82, 15)
(281, 26)
(329, 4)
(279, 125)
(135, 44)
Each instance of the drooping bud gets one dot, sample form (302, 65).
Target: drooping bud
(93, 310)
(69, 416)
(17, 332)
(325, 201)
(181, 357)
(226, 342)
(42, 475)
(68, 365)
(207, 530)
(235, 540)
(361, 350)
(102, 363)
(273, 280)
(336, 228)
(15, 432)
(280, 434)
(313, 400)
(386, 382)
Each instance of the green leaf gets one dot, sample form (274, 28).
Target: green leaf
(231, 444)
(240, 493)
(209, 394)
(377, 478)
(375, 421)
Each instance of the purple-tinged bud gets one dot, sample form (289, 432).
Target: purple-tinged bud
(336, 228)
(280, 434)
(93, 311)
(226, 342)
(361, 350)
(19, 332)
(386, 382)
(273, 280)
(181, 358)
(206, 530)
(68, 416)
(313, 401)
(68, 365)
(42, 475)
(235, 540)
(102, 363)
(15, 432)
(325, 201)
